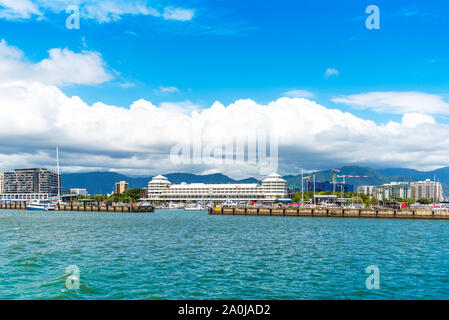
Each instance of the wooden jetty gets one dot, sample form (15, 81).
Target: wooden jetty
(85, 207)
(334, 212)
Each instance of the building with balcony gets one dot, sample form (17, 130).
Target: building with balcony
(388, 191)
(121, 187)
(2, 181)
(272, 187)
(32, 181)
(427, 189)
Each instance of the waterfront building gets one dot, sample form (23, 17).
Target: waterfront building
(143, 193)
(427, 189)
(369, 190)
(388, 191)
(2, 180)
(24, 197)
(78, 191)
(31, 181)
(415, 190)
(121, 187)
(393, 190)
(272, 187)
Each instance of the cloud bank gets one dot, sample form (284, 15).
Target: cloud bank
(37, 116)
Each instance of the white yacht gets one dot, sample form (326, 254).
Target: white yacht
(195, 207)
(41, 205)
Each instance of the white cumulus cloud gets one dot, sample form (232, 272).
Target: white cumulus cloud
(62, 67)
(412, 120)
(36, 117)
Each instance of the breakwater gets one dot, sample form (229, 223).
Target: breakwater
(85, 207)
(335, 212)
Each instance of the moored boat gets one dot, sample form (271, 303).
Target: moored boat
(195, 207)
(41, 205)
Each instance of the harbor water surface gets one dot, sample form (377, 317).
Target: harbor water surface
(173, 254)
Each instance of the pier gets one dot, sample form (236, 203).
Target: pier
(85, 207)
(335, 212)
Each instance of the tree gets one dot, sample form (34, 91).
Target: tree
(425, 201)
(297, 197)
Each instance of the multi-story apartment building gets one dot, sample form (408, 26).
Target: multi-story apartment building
(31, 181)
(121, 187)
(388, 191)
(369, 190)
(2, 181)
(415, 190)
(273, 187)
(427, 189)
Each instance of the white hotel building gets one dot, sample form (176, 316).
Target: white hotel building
(273, 187)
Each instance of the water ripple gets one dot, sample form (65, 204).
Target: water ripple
(179, 255)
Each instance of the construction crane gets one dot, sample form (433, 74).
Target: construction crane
(344, 181)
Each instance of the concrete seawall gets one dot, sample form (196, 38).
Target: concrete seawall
(91, 208)
(336, 212)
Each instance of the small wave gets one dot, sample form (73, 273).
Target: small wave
(33, 265)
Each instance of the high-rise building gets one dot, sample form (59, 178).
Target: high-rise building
(427, 189)
(121, 187)
(36, 181)
(2, 181)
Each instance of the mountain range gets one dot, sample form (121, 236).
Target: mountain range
(103, 182)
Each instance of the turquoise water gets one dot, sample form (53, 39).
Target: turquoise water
(188, 255)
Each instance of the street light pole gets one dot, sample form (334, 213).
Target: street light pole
(313, 189)
(302, 187)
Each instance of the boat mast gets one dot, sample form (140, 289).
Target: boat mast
(57, 171)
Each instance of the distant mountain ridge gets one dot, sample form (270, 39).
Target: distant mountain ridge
(103, 182)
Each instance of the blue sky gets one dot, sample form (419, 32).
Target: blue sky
(259, 50)
(255, 49)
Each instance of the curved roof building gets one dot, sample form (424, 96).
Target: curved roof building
(273, 187)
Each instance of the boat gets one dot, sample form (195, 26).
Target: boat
(144, 206)
(41, 205)
(229, 203)
(174, 205)
(195, 207)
